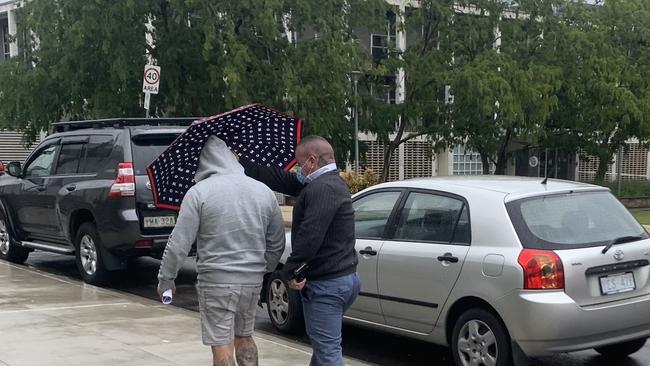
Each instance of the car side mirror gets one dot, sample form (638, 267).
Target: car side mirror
(15, 169)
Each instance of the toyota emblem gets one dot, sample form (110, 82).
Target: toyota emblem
(619, 255)
(148, 185)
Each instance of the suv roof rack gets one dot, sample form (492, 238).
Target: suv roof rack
(122, 122)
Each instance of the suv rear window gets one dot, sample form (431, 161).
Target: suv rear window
(572, 220)
(146, 148)
(97, 152)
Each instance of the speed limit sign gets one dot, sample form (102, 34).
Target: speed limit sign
(151, 79)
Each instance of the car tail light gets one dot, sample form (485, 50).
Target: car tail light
(543, 269)
(124, 185)
(144, 244)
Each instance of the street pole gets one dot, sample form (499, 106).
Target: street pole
(556, 163)
(545, 163)
(619, 168)
(356, 128)
(147, 100)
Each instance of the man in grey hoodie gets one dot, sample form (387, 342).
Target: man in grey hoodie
(239, 233)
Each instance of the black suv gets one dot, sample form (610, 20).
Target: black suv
(84, 191)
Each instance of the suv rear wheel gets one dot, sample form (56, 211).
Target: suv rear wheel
(9, 250)
(621, 350)
(89, 257)
(480, 339)
(284, 306)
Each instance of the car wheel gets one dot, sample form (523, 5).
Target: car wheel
(480, 339)
(9, 250)
(621, 350)
(284, 306)
(89, 257)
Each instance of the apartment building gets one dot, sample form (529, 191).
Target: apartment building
(417, 158)
(12, 146)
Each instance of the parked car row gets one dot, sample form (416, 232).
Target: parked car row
(496, 268)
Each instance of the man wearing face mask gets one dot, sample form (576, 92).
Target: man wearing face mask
(322, 236)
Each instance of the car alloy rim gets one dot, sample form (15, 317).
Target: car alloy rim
(279, 301)
(88, 254)
(477, 345)
(4, 238)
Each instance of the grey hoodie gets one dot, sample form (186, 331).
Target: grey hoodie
(235, 221)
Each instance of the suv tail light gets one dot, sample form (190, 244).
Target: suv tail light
(543, 269)
(124, 185)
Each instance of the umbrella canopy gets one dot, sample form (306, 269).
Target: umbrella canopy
(256, 132)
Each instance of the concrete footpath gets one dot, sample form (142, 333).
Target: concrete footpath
(51, 320)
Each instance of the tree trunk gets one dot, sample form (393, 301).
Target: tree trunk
(388, 154)
(501, 165)
(485, 161)
(502, 157)
(603, 166)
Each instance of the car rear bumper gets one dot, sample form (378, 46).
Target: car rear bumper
(545, 323)
(124, 237)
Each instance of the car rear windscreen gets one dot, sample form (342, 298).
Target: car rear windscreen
(146, 148)
(572, 220)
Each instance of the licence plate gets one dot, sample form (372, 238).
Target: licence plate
(159, 221)
(617, 283)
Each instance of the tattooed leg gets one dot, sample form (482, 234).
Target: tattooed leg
(223, 355)
(246, 351)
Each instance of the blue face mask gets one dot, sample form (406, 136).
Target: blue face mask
(301, 178)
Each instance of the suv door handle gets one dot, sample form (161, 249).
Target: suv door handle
(448, 257)
(71, 187)
(368, 251)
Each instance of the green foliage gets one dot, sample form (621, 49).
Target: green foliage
(424, 65)
(642, 216)
(604, 99)
(503, 93)
(566, 75)
(82, 65)
(629, 189)
(214, 55)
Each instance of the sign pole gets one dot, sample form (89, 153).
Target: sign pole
(147, 100)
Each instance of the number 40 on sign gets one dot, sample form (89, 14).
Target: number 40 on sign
(151, 79)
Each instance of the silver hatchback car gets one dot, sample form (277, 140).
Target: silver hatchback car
(497, 268)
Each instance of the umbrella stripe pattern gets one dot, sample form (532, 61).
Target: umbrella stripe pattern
(256, 132)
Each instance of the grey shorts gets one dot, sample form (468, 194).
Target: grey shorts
(227, 311)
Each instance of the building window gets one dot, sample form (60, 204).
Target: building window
(4, 39)
(466, 162)
(385, 90)
(380, 43)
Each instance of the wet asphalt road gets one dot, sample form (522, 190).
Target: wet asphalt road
(370, 346)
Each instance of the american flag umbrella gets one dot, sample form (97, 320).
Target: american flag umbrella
(257, 132)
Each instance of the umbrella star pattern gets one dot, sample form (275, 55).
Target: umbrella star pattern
(256, 132)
